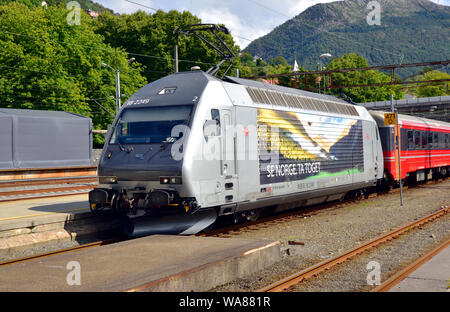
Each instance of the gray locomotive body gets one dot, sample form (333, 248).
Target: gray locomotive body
(191, 142)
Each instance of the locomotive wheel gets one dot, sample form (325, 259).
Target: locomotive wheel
(253, 215)
(237, 217)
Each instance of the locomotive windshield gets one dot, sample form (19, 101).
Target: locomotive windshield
(150, 124)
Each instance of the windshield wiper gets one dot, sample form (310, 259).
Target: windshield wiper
(166, 142)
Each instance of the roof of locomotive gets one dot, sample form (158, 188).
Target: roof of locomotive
(176, 89)
(292, 99)
(379, 118)
(191, 84)
(187, 87)
(263, 85)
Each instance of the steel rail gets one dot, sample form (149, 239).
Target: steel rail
(277, 218)
(285, 216)
(61, 181)
(48, 181)
(61, 251)
(48, 190)
(48, 169)
(400, 276)
(316, 269)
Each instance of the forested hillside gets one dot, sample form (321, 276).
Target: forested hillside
(409, 31)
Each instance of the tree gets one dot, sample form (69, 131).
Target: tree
(150, 39)
(48, 64)
(278, 61)
(84, 4)
(363, 94)
(437, 89)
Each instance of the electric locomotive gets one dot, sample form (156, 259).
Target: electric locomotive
(189, 148)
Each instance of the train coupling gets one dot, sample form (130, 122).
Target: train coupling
(191, 206)
(100, 199)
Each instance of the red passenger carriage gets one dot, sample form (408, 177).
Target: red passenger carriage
(425, 147)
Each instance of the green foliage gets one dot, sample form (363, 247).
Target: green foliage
(278, 65)
(278, 61)
(408, 33)
(84, 4)
(436, 89)
(363, 94)
(47, 64)
(153, 35)
(250, 66)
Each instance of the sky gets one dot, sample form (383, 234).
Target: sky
(265, 14)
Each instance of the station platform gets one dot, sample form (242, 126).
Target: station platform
(33, 221)
(153, 263)
(433, 276)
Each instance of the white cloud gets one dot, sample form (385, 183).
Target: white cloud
(125, 7)
(297, 7)
(242, 33)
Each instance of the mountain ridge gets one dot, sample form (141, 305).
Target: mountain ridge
(410, 31)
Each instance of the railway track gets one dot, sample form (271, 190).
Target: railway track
(235, 229)
(224, 231)
(16, 184)
(316, 269)
(62, 251)
(400, 276)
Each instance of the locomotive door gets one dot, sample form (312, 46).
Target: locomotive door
(375, 143)
(228, 161)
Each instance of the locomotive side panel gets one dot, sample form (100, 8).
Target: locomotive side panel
(305, 156)
(325, 150)
(209, 157)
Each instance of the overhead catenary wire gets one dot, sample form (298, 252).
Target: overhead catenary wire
(142, 5)
(432, 14)
(157, 10)
(48, 97)
(111, 50)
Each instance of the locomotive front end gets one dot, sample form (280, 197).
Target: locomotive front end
(140, 170)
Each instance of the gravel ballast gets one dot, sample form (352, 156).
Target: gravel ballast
(333, 231)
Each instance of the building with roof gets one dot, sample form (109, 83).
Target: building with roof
(44, 139)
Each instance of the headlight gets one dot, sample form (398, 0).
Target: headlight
(170, 180)
(107, 180)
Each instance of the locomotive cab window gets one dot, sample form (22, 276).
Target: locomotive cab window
(150, 124)
(212, 127)
(215, 115)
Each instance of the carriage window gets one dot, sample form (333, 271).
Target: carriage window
(417, 139)
(410, 139)
(430, 140)
(424, 140)
(446, 141)
(436, 140)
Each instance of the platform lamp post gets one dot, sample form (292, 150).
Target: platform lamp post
(118, 104)
(324, 55)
